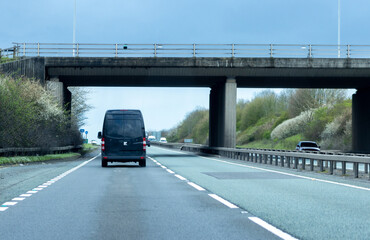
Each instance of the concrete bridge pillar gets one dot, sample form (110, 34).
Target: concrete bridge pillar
(61, 93)
(361, 121)
(222, 114)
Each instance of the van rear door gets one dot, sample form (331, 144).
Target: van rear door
(124, 134)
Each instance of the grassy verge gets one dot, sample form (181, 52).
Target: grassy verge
(88, 147)
(29, 159)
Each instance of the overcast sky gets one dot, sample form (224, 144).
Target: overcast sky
(178, 21)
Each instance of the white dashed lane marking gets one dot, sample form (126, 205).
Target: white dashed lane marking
(18, 199)
(9, 203)
(25, 195)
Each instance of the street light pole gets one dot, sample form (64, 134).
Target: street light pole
(338, 28)
(74, 29)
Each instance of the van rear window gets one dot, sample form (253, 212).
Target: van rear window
(123, 126)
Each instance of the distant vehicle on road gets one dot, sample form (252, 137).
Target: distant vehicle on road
(148, 142)
(94, 142)
(163, 140)
(307, 146)
(123, 137)
(152, 138)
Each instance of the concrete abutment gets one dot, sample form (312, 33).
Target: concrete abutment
(361, 121)
(61, 93)
(222, 114)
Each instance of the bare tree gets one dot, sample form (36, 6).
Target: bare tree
(305, 99)
(79, 105)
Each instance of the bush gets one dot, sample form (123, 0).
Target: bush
(338, 133)
(292, 126)
(31, 117)
(320, 118)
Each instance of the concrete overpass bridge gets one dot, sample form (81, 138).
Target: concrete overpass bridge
(227, 67)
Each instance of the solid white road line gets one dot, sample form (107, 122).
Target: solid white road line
(197, 187)
(272, 229)
(168, 170)
(223, 201)
(180, 177)
(291, 174)
(284, 173)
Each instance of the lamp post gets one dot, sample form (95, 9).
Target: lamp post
(338, 28)
(74, 29)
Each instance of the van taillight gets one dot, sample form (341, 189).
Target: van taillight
(102, 144)
(144, 144)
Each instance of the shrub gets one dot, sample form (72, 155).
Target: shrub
(338, 133)
(292, 126)
(30, 116)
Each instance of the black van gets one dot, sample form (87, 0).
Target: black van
(123, 137)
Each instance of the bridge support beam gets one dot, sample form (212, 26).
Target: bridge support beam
(61, 93)
(222, 115)
(361, 121)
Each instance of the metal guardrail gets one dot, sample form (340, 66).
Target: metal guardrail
(190, 50)
(313, 161)
(33, 151)
(9, 54)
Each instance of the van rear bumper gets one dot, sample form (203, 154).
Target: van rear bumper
(123, 158)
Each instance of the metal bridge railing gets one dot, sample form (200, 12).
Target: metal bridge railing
(186, 50)
(9, 54)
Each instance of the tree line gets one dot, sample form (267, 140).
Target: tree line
(279, 121)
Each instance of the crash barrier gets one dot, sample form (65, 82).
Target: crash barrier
(37, 151)
(313, 161)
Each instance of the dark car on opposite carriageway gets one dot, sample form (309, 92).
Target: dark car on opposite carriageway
(307, 146)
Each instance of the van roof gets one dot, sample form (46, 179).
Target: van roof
(122, 111)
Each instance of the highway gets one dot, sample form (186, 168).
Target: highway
(179, 196)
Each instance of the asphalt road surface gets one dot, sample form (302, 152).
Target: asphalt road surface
(178, 196)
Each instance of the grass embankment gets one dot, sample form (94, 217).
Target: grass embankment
(284, 144)
(280, 121)
(88, 147)
(28, 159)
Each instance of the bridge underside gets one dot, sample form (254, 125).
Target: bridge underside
(221, 75)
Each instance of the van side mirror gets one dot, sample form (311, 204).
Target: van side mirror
(99, 135)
